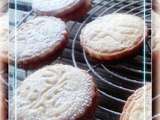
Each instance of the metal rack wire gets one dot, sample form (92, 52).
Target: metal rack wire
(126, 76)
(116, 81)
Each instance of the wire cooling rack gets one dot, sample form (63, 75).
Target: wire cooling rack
(115, 81)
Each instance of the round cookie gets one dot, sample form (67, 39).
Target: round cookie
(113, 37)
(136, 104)
(62, 92)
(65, 9)
(4, 36)
(38, 42)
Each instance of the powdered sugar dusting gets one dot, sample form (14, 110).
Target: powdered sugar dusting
(37, 36)
(56, 92)
(57, 6)
(139, 105)
(113, 32)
